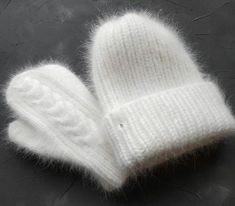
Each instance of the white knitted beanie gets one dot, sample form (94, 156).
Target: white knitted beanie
(58, 118)
(157, 104)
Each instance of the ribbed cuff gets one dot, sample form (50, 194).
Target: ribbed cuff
(155, 128)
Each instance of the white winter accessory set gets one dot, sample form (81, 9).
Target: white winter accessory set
(151, 103)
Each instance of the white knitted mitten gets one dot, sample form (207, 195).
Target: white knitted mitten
(157, 104)
(58, 118)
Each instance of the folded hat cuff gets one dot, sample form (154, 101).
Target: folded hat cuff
(158, 127)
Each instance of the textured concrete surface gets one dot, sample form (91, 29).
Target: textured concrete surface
(35, 30)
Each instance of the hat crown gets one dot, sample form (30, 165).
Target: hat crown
(136, 55)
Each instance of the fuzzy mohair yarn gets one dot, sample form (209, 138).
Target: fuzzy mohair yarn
(153, 103)
(58, 119)
(156, 102)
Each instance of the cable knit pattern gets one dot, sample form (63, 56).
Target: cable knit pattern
(57, 125)
(71, 122)
(157, 104)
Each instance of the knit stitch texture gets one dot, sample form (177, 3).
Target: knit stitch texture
(58, 118)
(157, 103)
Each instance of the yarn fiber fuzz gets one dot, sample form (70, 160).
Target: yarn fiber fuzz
(58, 119)
(156, 101)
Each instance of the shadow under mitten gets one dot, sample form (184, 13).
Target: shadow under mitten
(156, 102)
(58, 118)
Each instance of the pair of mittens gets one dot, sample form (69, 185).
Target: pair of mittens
(155, 103)
(58, 118)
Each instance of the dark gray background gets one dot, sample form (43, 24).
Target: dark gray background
(35, 30)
